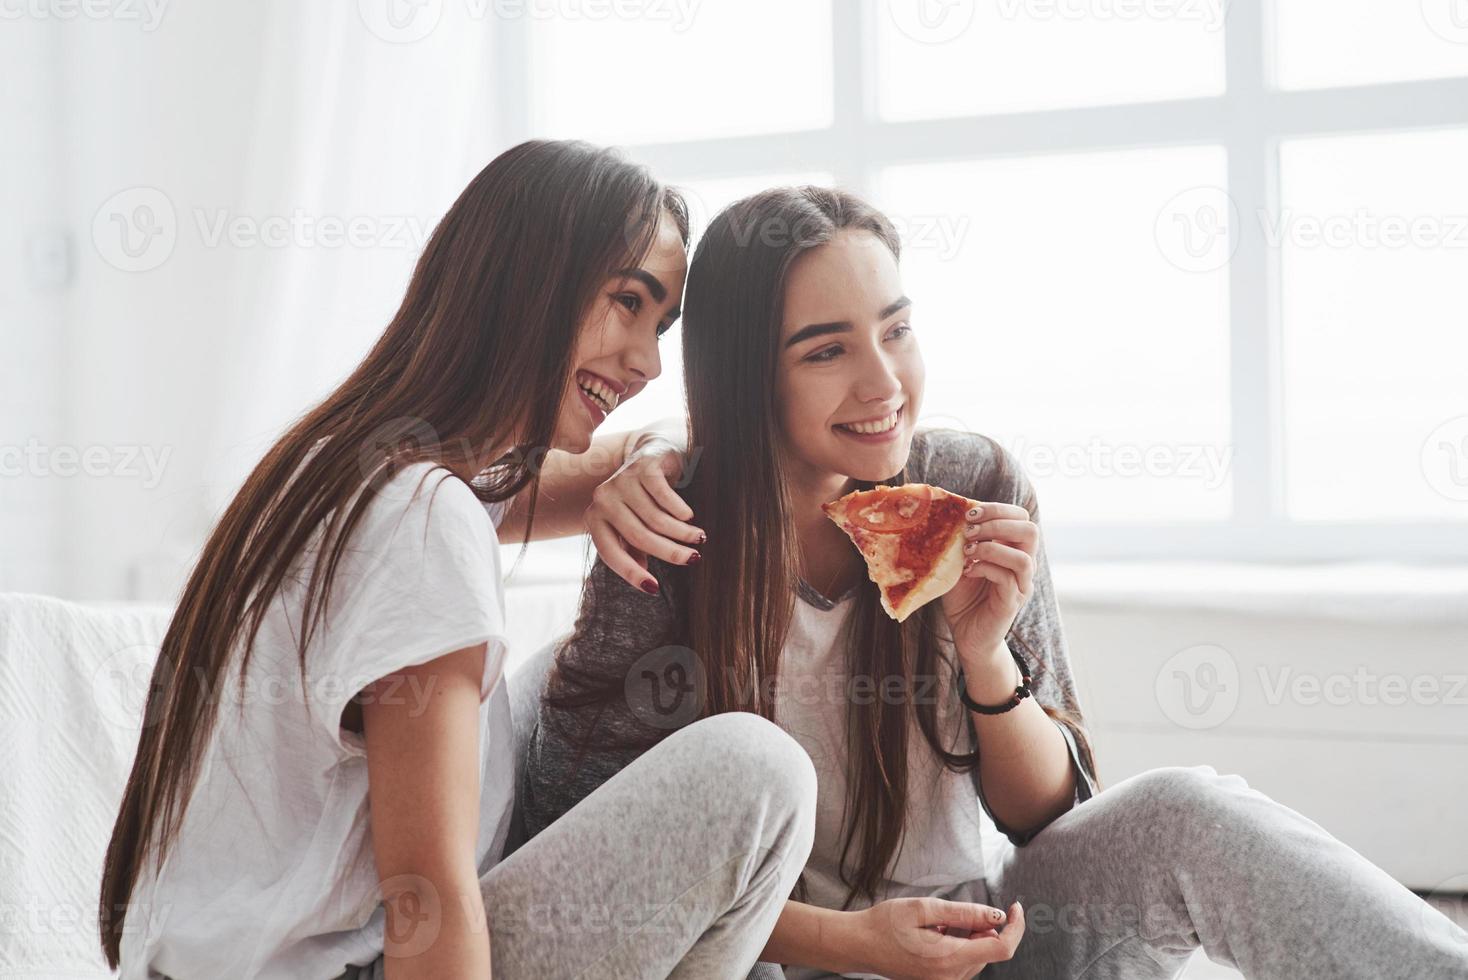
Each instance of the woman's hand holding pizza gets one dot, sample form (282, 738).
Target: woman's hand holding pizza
(1000, 548)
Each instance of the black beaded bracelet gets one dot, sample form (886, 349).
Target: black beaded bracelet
(1020, 693)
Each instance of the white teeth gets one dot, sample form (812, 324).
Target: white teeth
(872, 428)
(598, 390)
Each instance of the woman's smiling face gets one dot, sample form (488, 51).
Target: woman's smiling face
(617, 347)
(850, 376)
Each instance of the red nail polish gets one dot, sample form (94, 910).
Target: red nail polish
(694, 559)
(650, 587)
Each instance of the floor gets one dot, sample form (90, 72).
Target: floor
(1202, 968)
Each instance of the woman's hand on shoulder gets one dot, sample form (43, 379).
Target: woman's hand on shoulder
(636, 514)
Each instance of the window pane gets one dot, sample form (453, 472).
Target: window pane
(706, 198)
(942, 58)
(1355, 42)
(1057, 316)
(628, 80)
(1374, 242)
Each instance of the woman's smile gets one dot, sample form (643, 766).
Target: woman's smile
(600, 395)
(881, 429)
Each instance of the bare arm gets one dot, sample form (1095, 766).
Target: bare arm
(423, 787)
(567, 481)
(1027, 773)
(1024, 763)
(809, 935)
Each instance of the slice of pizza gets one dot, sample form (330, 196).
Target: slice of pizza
(911, 537)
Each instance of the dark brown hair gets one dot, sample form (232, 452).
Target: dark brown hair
(475, 362)
(737, 618)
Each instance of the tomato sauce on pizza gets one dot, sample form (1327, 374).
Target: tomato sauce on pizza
(911, 537)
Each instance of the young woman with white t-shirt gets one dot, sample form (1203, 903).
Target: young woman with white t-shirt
(323, 782)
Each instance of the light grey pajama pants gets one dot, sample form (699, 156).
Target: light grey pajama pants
(1129, 884)
(678, 866)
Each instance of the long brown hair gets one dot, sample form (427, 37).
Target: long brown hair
(737, 618)
(474, 363)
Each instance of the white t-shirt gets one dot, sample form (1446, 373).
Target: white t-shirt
(273, 873)
(950, 841)
(946, 830)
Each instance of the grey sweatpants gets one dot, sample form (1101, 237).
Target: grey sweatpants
(1129, 884)
(678, 866)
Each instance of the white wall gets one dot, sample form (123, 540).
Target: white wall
(33, 253)
(1310, 718)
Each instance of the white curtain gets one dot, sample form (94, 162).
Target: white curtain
(371, 117)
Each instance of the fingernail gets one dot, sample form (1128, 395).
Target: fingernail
(694, 559)
(997, 915)
(650, 587)
(968, 549)
(702, 537)
(973, 512)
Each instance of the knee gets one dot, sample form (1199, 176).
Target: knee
(754, 755)
(1185, 798)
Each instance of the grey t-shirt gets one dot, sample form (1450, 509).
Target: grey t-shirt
(623, 636)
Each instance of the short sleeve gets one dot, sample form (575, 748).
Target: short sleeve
(419, 578)
(979, 467)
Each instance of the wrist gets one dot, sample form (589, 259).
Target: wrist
(991, 677)
(638, 442)
(655, 445)
(671, 433)
(846, 946)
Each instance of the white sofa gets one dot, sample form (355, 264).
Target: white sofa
(72, 682)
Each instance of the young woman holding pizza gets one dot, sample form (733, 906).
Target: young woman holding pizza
(805, 380)
(343, 811)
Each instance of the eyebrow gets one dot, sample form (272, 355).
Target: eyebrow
(654, 285)
(842, 326)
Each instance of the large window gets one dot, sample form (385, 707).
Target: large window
(1202, 266)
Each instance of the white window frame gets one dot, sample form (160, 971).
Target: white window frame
(1249, 120)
